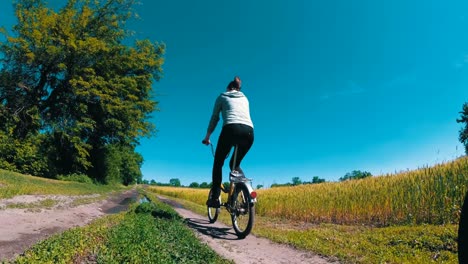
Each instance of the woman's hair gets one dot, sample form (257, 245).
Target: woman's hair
(235, 84)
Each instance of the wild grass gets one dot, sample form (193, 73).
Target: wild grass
(12, 184)
(431, 195)
(46, 203)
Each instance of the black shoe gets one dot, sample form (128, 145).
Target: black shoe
(213, 203)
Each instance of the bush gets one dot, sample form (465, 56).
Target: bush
(75, 177)
(23, 156)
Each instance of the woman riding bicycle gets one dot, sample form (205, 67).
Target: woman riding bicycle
(237, 130)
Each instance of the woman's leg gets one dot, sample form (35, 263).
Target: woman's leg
(222, 150)
(244, 137)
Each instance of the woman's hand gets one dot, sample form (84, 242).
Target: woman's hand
(206, 141)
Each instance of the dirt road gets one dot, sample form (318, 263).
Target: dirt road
(22, 228)
(252, 249)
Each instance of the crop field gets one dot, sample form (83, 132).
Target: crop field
(432, 195)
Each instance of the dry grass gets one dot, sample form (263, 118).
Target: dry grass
(431, 195)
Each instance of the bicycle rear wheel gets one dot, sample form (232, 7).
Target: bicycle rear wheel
(243, 211)
(213, 213)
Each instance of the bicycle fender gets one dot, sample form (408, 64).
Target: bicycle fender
(251, 200)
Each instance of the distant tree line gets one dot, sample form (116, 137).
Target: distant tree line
(175, 182)
(74, 100)
(297, 181)
(354, 175)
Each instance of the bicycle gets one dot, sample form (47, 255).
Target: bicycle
(240, 202)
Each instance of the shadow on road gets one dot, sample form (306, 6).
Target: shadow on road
(203, 226)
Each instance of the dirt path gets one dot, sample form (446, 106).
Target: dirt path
(252, 249)
(22, 228)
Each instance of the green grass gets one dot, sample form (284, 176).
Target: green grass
(46, 203)
(87, 200)
(361, 244)
(12, 184)
(147, 233)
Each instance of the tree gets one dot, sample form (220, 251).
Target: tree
(194, 185)
(316, 179)
(174, 182)
(205, 185)
(296, 181)
(355, 174)
(463, 136)
(67, 75)
(259, 186)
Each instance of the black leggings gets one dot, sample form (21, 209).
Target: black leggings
(231, 135)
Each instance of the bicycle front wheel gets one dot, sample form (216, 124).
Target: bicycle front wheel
(243, 211)
(213, 213)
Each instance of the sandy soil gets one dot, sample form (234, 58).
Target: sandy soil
(252, 249)
(21, 228)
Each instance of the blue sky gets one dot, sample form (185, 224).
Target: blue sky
(334, 86)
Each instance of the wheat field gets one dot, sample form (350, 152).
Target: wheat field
(429, 195)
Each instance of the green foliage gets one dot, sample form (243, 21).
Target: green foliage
(23, 155)
(76, 178)
(194, 185)
(205, 185)
(355, 175)
(463, 136)
(118, 164)
(66, 74)
(296, 181)
(143, 238)
(316, 179)
(74, 245)
(174, 182)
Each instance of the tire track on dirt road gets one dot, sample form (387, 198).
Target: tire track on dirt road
(252, 249)
(22, 228)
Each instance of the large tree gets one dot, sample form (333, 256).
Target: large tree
(463, 137)
(70, 75)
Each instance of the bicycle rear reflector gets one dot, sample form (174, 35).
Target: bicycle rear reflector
(253, 195)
